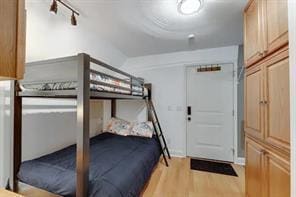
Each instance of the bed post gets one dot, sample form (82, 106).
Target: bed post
(82, 135)
(113, 108)
(148, 86)
(17, 135)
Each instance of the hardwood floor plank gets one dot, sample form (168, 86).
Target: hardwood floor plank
(179, 180)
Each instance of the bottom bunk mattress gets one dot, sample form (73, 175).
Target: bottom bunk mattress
(119, 166)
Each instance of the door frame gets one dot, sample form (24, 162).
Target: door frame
(237, 160)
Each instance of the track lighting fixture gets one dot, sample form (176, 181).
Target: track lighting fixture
(54, 9)
(73, 19)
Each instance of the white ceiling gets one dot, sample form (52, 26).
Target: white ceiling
(146, 27)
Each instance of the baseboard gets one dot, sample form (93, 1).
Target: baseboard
(240, 161)
(175, 153)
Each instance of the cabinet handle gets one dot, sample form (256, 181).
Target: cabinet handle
(261, 102)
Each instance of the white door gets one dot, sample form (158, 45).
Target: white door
(210, 132)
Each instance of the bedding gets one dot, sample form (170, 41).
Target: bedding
(119, 127)
(119, 167)
(143, 129)
(72, 85)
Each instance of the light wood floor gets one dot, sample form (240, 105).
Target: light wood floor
(5, 193)
(179, 181)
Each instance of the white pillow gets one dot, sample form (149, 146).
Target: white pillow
(119, 127)
(143, 129)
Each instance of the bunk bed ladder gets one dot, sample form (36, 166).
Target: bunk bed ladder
(158, 131)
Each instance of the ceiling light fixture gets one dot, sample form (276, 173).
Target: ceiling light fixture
(189, 7)
(54, 9)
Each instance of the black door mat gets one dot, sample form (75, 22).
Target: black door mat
(212, 166)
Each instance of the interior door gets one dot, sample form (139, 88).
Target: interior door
(210, 113)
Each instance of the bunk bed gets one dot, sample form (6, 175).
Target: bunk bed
(106, 165)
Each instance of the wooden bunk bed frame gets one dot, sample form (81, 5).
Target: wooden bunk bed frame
(83, 94)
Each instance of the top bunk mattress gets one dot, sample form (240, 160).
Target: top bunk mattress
(120, 166)
(62, 74)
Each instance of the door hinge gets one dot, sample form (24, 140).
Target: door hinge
(233, 112)
(233, 151)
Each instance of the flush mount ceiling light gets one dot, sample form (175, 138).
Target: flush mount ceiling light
(189, 7)
(54, 9)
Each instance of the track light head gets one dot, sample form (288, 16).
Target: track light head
(54, 7)
(73, 19)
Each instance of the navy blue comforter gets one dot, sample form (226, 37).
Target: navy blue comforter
(119, 167)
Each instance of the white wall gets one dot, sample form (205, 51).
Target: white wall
(52, 123)
(50, 126)
(167, 74)
(133, 111)
(5, 127)
(52, 36)
(2, 144)
(292, 41)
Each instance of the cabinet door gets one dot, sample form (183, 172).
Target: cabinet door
(278, 101)
(254, 169)
(275, 17)
(252, 32)
(277, 176)
(21, 40)
(254, 102)
(12, 43)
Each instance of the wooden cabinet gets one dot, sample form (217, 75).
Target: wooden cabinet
(265, 28)
(277, 99)
(267, 171)
(267, 99)
(12, 42)
(275, 20)
(252, 29)
(277, 175)
(253, 102)
(254, 169)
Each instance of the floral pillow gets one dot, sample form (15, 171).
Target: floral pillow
(143, 129)
(119, 127)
